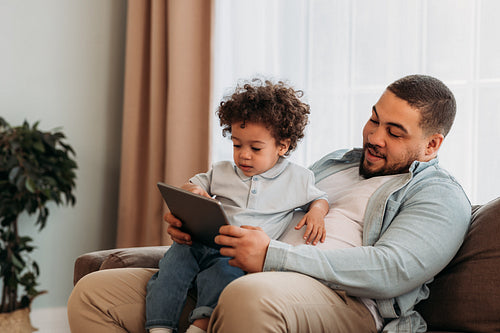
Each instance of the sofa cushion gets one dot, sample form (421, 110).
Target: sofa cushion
(465, 296)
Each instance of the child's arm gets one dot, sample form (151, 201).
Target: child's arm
(314, 219)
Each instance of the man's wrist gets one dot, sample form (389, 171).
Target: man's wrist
(275, 256)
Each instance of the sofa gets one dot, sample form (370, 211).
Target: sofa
(464, 296)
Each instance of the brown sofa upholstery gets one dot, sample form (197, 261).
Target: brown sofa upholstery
(465, 296)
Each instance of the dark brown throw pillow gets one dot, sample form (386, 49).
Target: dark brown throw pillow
(465, 296)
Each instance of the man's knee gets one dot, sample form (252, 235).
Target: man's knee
(79, 292)
(79, 306)
(255, 289)
(249, 304)
(109, 300)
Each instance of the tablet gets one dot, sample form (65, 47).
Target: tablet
(201, 216)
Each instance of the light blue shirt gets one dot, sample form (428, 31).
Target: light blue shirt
(267, 200)
(413, 226)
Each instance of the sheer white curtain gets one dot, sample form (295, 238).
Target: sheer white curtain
(343, 54)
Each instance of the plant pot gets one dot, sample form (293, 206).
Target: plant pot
(17, 321)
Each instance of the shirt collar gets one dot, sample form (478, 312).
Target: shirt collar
(418, 166)
(274, 172)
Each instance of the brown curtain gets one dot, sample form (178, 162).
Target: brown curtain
(166, 110)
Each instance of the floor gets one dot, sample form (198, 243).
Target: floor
(50, 320)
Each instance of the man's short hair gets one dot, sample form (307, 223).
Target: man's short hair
(431, 97)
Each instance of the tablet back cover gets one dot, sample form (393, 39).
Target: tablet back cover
(201, 216)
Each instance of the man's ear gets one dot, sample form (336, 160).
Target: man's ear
(283, 146)
(433, 145)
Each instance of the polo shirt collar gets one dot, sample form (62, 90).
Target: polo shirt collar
(274, 172)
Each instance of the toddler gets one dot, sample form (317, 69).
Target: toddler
(260, 187)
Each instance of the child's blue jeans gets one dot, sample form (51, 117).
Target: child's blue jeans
(182, 268)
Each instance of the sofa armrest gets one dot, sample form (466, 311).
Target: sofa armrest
(145, 257)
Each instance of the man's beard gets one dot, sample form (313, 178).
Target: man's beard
(395, 169)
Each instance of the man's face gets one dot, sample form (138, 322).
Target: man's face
(392, 138)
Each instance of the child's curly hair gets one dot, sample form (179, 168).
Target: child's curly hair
(275, 105)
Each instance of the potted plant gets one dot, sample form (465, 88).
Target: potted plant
(36, 168)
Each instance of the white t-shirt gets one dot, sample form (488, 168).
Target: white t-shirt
(348, 194)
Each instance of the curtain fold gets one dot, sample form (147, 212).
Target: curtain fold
(166, 110)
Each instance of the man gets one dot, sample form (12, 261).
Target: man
(413, 224)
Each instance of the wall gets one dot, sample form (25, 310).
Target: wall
(61, 62)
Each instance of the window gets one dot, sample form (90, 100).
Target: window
(343, 54)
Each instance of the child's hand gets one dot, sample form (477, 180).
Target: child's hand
(314, 219)
(315, 230)
(195, 189)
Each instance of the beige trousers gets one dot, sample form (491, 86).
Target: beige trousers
(114, 301)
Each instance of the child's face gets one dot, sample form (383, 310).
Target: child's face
(254, 149)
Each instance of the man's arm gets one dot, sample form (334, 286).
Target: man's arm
(422, 238)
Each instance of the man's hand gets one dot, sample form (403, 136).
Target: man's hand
(173, 230)
(247, 246)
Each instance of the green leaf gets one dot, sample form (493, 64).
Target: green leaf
(14, 173)
(4, 123)
(39, 146)
(30, 185)
(18, 262)
(36, 269)
(21, 183)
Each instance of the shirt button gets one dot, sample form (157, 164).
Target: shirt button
(255, 178)
(254, 191)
